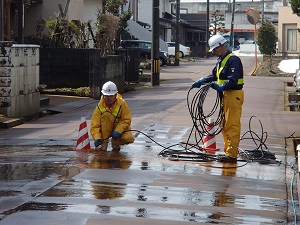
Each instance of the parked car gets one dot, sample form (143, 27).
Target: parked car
(241, 39)
(145, 50)
(184, 50)
(249, 42)
(236, 43)
(297, 80)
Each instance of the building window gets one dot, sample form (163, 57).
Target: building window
(202, 37)
(291, 41)
(195, 36)
(189, 36)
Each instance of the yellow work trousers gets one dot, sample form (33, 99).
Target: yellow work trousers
(108, 126)
(232, 109)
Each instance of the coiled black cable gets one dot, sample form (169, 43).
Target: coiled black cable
(259, 141)
(261, 151)
(201, 116)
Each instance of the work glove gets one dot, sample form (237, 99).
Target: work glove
(97, 143)
(217, 87)
(198, 83)
(116, 135)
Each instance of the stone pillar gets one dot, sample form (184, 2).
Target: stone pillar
(103, 69)
(19, 81)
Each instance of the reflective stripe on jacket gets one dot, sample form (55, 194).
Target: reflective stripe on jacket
(115, 112)
(221, 67)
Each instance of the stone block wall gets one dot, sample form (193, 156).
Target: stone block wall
(19, 80)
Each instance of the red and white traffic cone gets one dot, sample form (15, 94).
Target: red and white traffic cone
(83, 142)
(210, 140)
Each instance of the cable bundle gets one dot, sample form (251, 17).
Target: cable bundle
(261, 150)
(199, 118)
(201, 122)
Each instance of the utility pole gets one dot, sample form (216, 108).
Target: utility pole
(134, 5)
(207, 29)
(176, 63)
(263, 12)
(155, 43)
(20, 21)
(232, 26)
(1, 21)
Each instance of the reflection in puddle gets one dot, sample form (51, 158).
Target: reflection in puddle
(95, 190)
(35, 171)
(218, 199)
(173, 214)
(43, 206)
(109, 160)
(151, 212)
(198, 215)
(109, 191)
(104, 160)
(103, 209)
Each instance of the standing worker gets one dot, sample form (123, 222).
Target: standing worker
(111, 118)
(228, 74)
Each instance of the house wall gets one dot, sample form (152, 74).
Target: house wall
(145, 14)
(91, 8)
(145, 10)
(50, 10)
(287, 20)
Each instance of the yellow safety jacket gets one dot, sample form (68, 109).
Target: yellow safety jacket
(120, 111)
(220, 67)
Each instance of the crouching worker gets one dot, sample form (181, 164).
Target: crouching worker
(111, 118)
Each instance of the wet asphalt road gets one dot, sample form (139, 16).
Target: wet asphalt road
(44, 181)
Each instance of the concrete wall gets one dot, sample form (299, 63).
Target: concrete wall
(74, 68)
(19, 81)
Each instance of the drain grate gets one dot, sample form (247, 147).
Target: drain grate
(294, 101)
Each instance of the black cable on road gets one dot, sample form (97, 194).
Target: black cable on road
(201, 121)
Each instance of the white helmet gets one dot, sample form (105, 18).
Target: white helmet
(215, 41)
(109, 88)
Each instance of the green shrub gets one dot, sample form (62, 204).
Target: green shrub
(64, 89)
(266, 38)
(83, 91)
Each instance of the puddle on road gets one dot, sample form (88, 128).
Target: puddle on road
(157, 213)
(213, 202)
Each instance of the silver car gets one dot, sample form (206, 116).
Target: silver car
(183, 50)
(297, 80)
